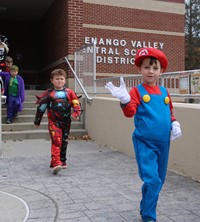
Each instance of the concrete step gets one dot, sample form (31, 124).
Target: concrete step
(37, 134)
(26, 104)
(30, 119)
(30, 126)
(31, 98)
(33, 92)
(23, 126)
(24, 118)
(25, 111)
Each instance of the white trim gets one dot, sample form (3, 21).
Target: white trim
(25, 204)
(117, 28)
(150, 5)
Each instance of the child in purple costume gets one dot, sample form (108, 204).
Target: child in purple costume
(14, 91)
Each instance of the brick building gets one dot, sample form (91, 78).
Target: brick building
(120, 27)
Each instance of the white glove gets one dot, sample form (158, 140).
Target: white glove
(176, 130)
(120, 92)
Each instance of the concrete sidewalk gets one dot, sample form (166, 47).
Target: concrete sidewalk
(100, 185)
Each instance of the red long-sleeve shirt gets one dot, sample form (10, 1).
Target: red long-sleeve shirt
(130, 108)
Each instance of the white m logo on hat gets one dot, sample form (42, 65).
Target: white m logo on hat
(143, 52)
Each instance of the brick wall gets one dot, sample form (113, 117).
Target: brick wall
(62, 33)
(167, 28)
(67, 24)
(75, 25)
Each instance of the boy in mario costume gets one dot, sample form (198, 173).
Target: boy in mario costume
(151, 106)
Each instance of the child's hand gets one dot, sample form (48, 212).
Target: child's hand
(176, 130)
(120, 92)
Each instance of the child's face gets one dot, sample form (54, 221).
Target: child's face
(8, 63)
(13, 73)
(58, 82)
(150, 73)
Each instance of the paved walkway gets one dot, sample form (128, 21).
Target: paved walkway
(100, 185)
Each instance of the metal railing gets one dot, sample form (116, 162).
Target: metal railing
(84, 70)
(182, 83)
(85, 67)
(78, 81)
(179, 84)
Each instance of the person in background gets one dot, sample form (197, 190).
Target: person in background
(58, 101)
(3, 51)
(5, 67)
(14, 91)
(154, 121)
(8, 63)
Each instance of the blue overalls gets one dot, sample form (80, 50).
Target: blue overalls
(151, 139)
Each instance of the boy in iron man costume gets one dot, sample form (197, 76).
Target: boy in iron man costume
(58, 101)
(154, 122)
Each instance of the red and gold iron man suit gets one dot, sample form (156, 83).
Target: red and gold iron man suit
(58, 104)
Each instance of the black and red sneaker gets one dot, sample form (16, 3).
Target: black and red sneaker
(64, 165)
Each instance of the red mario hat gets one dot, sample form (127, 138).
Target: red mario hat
(151, 52)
